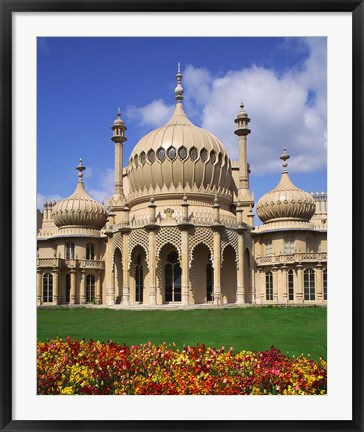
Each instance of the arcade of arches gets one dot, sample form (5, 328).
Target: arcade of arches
(179, 228)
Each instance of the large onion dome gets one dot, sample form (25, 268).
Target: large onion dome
(177, 154)
(79, 209)
(286, 201)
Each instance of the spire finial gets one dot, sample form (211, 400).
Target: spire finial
(119, 113)
(80, 168)
(241, 104)
(284, 158)
(179, 89)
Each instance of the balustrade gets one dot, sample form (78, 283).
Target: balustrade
(295, 258)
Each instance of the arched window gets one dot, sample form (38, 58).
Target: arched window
(268, 247)
(269, 286)
(90, 289)
(70, 251)
(309, 245)
(90, 251)
(289, 246)
(47, 288)
(290, 285)
(173, 278)
(139, 280)
(209, 281)
(309, 284)
(68, 288)
(325, 284)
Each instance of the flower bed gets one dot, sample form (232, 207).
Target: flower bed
(94, 368)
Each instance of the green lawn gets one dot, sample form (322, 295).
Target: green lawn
(293, 330)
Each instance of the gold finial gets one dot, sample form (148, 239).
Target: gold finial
(80, 168)
(179, 89)
(284, 158)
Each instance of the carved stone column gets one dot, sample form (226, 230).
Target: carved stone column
(284, 284)
(258, 283)
(55, 286)
(185, 267)
(151, 227)
(110, 292)
(152, 268)
(240, 290)
(319, 283)
(83, 287)
(299, 292)
(217, 267)
(252, 278)
(98, 287)
(126, 281)
(73, 287)
(275, 284)
(262, 286)
(39, 286)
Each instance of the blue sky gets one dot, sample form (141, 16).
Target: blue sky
(82, 81)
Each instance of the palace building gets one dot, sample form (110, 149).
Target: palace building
(179, 229)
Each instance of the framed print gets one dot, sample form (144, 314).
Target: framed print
(201, 266)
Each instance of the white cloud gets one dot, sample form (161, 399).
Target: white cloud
(105, 180)
(41, 199)
(286, 109)
(154, 114)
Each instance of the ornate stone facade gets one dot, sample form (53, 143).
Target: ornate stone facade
(179, 229)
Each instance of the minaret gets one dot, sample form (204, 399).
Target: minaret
(242, 120)
(119, 138)
(244, 197)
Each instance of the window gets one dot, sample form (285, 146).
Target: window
(70, 251)
(209, 282)
(213, 156)
(289, 246)
(325, 284)
(90, 289)
(161, 154)
(139, 280)
(173, 278)
(47, 288)
(182, 153)
(309, 284)
(171, 153)
(68, 288)
(269, 286)
(203, 155)
(151, 156)
(268, 247)
(290, 285)
(90, 251)
(309, 245)
(142, 158)
(193, 153)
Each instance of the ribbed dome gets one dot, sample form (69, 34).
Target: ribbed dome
(285, 201)
(179, 153)
(79, 209)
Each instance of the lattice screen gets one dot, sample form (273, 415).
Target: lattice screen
(204, 236)
(138, 237)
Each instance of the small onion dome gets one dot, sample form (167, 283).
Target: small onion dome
(285, 201)
(79, 209)
(118, 121)
(242, 113)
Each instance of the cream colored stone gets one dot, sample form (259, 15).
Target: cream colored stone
(180, 192)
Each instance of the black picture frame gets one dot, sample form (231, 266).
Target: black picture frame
(7, 8)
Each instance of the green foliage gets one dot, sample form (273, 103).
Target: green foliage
(294, 330)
